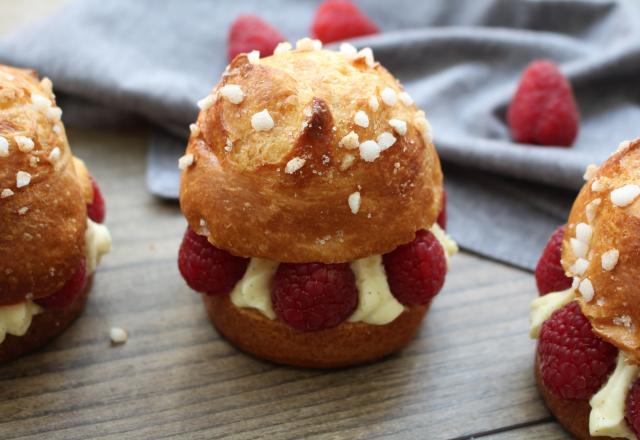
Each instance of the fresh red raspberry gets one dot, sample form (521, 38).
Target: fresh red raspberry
(337, 20)
(574, 362)
(543, 110)
(442, 217)
(250, 32)
(416, 270)
(632, 408)
(96, 210)
(206, 268)
(66, 296)
(550, 275)
(314, 296)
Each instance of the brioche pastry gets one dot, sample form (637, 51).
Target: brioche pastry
(311, 188)
(589, 334)
(50, 212)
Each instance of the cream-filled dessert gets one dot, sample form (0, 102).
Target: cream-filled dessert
(586, 319)
(51, 212)
(313, 194)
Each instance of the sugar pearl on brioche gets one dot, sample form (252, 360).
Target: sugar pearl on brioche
(281, 190)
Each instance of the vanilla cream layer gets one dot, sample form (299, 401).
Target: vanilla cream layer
(15, 319)
(608, 404)
(97, 244)
(376, 303)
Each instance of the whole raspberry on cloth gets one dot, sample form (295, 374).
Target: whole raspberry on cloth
(206, 268)
(250, 32)
(314, 296)
(71, 290)
(550, 275)
(574, 362)
(543, 110)
(337, 20)
(416, 270)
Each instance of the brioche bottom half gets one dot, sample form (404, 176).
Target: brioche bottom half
(350, 343)
(44, 327)
(573, 415)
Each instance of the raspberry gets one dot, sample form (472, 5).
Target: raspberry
(314, 296)
(70, 291)
(442, 217)
(574, 362)
(337, 20)
(550, 275)
(96, 210)
(632, 408)
(206, 268)
(250, 32)
(416, 270)
(543, 110)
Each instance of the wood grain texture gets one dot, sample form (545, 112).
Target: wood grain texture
(468, 374)
(546, 430)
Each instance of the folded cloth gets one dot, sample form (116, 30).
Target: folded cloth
(459, 59)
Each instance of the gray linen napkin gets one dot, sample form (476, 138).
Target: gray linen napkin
(459, 59)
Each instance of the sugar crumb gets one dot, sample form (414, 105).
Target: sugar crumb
(354, 200)
(294, 165)
(118, 335)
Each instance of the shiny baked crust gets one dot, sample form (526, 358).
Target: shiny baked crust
(42, 247)
(573, 415)
(616, 291)
(44, 327)
(238, 193)
(345, 345)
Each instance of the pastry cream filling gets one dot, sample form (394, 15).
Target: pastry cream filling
(15, 319)
(376, 303)
(543, 307)
(97, 243)
(608, 404)
(254, 287)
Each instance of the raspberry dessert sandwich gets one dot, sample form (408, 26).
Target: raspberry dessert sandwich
(50, 212)
(312, 187)
(587, 319)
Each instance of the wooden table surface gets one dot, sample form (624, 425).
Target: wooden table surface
(467, 375)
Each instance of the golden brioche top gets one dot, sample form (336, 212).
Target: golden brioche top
(310, 155)
(42, 200)
(601, 248)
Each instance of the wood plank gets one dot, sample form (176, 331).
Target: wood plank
(547, 430)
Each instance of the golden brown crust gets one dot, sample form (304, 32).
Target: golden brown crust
(44, 327)
(84, 178)
(251, 207)
(614, 310)
(341, 346)
(43, 223)
(573, 415)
